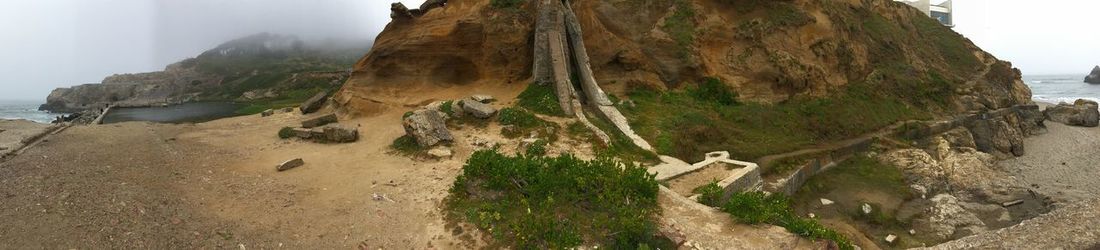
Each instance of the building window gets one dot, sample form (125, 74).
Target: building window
(944, 18)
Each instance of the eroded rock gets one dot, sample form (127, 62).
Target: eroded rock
(1082, 113)
(478, 109)
(482, 98)
(314, 103)
(1094, 77)
(290, 164)
(267, 113)
(427, 127)
(340, 134)
(947, 217)
(319, 121)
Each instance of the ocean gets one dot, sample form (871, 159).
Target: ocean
(1061, 88)
(27, 110)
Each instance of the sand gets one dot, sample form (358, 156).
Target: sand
(1061, 164)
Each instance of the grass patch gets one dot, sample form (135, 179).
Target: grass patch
(681, 27)
(534, 202)
(760, 208)
(406, 145)
(541, 99)
(519, 123)
(850, 181)
(290, 98)
(538, 148)
(621, 146)
(687, 125)
(286, 133)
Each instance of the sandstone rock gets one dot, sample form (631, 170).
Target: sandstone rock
(340, 134)
(398, 11)
(314, 103)
(290, 164)
(440, 152)
(303, 133)
(483, 98)
(1094, 77)
(267, 113)
(478, 109)
(998, 136)
(947, 217)
(319, 121)
(288, 109)
(427, 127)
(1082, 113)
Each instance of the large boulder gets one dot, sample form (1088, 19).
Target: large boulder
(314, 103)
(1094, 77)
(478, 109)
(427, 127)
(1081, 113)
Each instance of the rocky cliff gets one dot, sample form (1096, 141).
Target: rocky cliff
(261, 67)
(1094, 76)
(795, 55)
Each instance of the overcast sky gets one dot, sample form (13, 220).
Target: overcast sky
(46, 44)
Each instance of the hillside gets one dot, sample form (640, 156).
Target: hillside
(798, 73)
(903, 108)
(263, 70)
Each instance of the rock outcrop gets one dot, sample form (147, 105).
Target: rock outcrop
(314, 103)
(1081, 113)
(262, 66)
(427, 127)
(477, 109)
(1094, 76)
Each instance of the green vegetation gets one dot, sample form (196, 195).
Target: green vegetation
(854, 182)
(681, 26)
(776, 15)
(448, 108)
(687, 125)
(286, 133)
(406, 145)
(758, 207)
(621, 146)
(522, 123)
(291, 98)
(541, 99)
(535, 202)
(506, 4)
(538, 148)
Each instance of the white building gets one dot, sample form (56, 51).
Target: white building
(941, 12)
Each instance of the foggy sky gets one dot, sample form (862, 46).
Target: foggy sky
(46, 44)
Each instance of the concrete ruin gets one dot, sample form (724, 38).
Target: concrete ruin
(732, 175)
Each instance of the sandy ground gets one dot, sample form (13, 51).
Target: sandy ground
(1062, 164)
(13, 132)
(145, 185)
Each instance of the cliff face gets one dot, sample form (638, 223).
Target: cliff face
(257, 67)
(767, 51)
(827, 70)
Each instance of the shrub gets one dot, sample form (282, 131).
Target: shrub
(715, 91)
(406, 145)
(448, 107)
(758, 207)
(541, 99)
(538, 148)
(533, 202)
(286, 133)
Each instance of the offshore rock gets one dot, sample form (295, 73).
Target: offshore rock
(1094, 77)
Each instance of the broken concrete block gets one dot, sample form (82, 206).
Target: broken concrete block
(314, 103)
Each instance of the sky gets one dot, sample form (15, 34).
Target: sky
(45, 44)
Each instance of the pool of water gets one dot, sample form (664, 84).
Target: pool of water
(183, 113)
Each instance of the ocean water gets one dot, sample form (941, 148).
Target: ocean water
(1061, 88)
(183, 113)
(27, 110)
